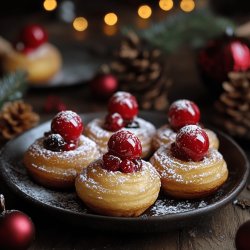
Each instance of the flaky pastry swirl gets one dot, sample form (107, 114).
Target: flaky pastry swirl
(117, 193)
(101, 136)
(59, 169)
(188, 179)
(165, 135)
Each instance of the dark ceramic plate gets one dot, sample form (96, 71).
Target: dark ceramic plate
(165, 214)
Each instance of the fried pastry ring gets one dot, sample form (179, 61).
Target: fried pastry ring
(165, 134)
(59, 169)
(98, 134)
(116, 193)
(189, 179)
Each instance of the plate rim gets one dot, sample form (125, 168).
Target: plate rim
(168, 217)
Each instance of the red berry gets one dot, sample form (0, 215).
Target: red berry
(182, 113)
(68, 124)
(192, 142)
(125, 145)
(32, 36)
(70, 145)
(127, 166)
(113, 122)
(111, 162)
(125, 104)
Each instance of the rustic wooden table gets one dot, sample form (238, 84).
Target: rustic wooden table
(216, 232)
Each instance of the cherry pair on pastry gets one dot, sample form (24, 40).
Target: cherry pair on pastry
(119, 183)
(188, 167)
(122, 114)
(181, 113)
(55, 159)
(32, 53)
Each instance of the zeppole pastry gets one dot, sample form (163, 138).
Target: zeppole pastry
(31, 53)
(55, 159)
(181, 113)
(188, 167)
(120, 183)
(123, 110)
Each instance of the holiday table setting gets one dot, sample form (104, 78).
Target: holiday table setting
(70, 68)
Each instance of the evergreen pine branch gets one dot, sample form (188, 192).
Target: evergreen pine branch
(193, 29)
(12, 86)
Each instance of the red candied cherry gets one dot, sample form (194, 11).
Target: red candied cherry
(111, 162)
(70, 145)
(32, 36)
(125, 104)
(68, 124)
(127, 166)
(192, 142)
(125, 145)
(182, 113)
(113, 122)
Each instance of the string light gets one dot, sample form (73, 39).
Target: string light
(80, 24)
(110, 19)
(166, 4)
(49, 5)
(144, 11)
(187, 5)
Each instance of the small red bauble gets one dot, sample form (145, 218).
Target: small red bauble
(113, 122)
(111, 162)
(68, 124)
(32, 36)
(221, 56)
(242, 239)
(104, 85)
(192, 142)
(182, 113)
(125, 145)
(16, 229)
(125, 104)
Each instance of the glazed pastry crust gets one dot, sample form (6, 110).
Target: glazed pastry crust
(59, 169)
(190, 179)
(116, 193)
(101, 136)
(41, 65)
(165, 135)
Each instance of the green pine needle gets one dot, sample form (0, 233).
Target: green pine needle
(193, 29)
(12, 86)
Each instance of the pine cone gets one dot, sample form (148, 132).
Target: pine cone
(234, 105)
(142, 72)
(15, 118)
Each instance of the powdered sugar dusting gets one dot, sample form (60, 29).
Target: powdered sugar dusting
(86, 146)
(95, 131)
(68, 116)
(183, 104)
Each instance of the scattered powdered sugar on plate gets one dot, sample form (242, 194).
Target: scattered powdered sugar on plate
(166, 206)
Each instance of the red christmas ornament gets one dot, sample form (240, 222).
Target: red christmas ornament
(242, 239)
(104, 85)
(221, 56)
(16, 229)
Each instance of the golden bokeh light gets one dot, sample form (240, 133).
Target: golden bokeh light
(187, 5)
(49, 5)
(110, 19)
(166, 4)
(80, 24)
(144, 11)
